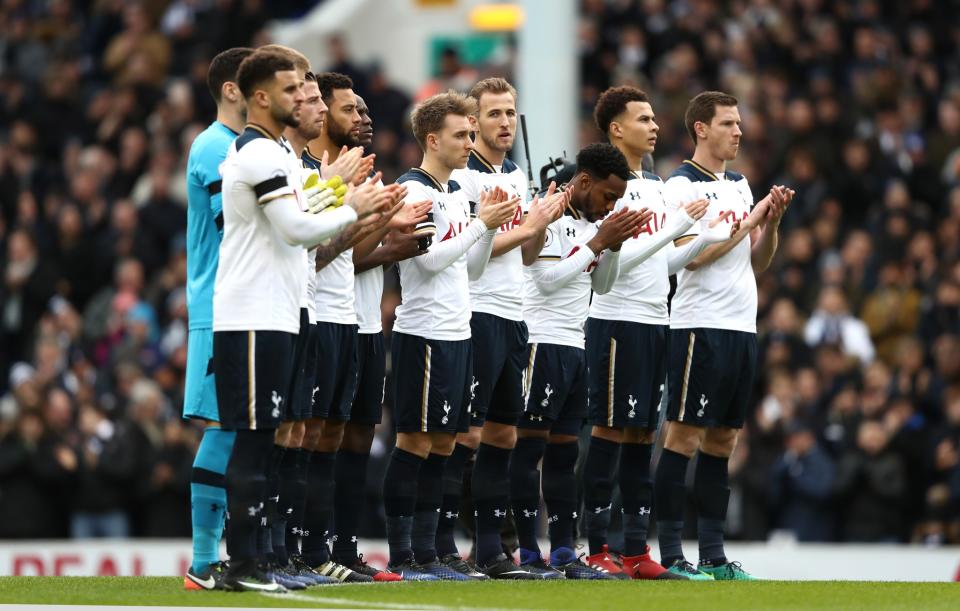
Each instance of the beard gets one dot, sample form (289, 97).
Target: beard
(308, 133)
(339, 136)
(287, 118)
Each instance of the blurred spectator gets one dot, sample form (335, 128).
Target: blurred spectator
(36, 470)
(892, 311)
(832, 323)
(28, 283)
(870, 485)
(138, 55)
(801, 486)
(106, 477)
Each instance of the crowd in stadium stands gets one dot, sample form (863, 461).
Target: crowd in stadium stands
(855, 435)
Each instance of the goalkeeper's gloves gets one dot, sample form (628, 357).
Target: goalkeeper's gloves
(322, 194)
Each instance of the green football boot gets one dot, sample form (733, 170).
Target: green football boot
(731, 571)
(684, 570)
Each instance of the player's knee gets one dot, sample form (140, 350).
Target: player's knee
(720, 441)
(313, 431)
(357, 438)
(330, 436)
(471, 438)
(282, 436)
(638, 435)
(683, 438)
(297, 434)
(609, 433)
(499, 435)
(442, 443)
(415, 443)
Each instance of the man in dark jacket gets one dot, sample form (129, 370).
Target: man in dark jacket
(870, 486)
(801, 484)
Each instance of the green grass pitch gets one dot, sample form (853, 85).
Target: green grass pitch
(626, 596)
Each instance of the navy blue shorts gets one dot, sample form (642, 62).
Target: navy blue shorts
(627, 372)
(252, 370)
(431, 384)
(336, 376)
(371, 379)
(711, 376)
(556, 389)
(304, 367)
(499, 359)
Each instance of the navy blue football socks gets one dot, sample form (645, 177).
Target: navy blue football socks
(670, 491)
(560, 492)
(350, 479)
(636, 490)
(599, 472)
(450, 505)
(491, 499)
(319, 508)
(712, 493)
(525, 489)
(399, 502)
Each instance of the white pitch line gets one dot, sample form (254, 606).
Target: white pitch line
(349, 601)
(379, 604)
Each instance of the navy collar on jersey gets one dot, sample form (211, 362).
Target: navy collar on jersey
(250, 133)
(483, 165)
(263, 130)
(309, 161)
(699, 168)
(310, 158)
(695, 172)
(427, 179)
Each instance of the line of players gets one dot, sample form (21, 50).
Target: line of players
(490, 355)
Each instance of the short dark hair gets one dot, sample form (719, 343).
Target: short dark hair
(703, 107)
(309, 77)
(601, 159)
(328, 81)
(613, 102)
(300, 61)
(261, 67)
(223, 69)
(429, 116)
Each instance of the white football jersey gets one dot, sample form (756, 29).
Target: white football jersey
(436, 305)
(499, 291)
(334, 291)
(310, 162)
(330, 290)
(722, 295)
(558, 317)
(368, 289)
(260, 279)
(640, 294)
(367, 295)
